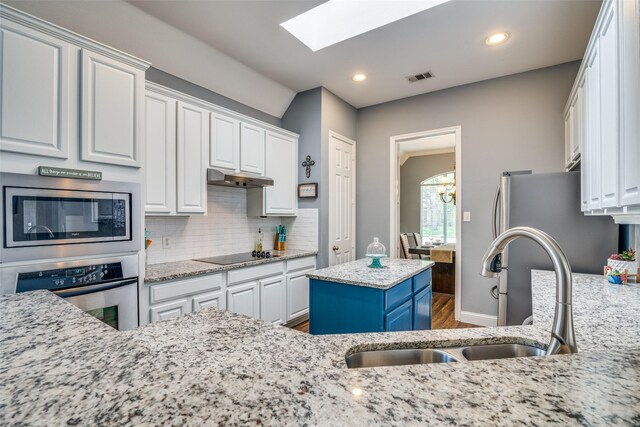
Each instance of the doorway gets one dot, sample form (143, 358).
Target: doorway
(434, 201)
(342, 199)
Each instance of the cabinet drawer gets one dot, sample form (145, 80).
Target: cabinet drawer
(397, 294)
(399, 319)
(422, 280)
(169, 310)
(301, 264)
(257, 272)
(170, 290)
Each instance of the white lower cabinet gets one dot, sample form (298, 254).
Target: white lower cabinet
(215, 299)
(244, 299)
(297, 295)
(276, 292)
(273, 300)
(169, 310)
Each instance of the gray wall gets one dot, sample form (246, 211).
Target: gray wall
(176, 83)
(512, 122)
(313, 114)
(412, 173)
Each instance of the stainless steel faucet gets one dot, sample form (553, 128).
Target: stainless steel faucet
(563, 339)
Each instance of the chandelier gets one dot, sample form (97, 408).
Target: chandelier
(447, 191)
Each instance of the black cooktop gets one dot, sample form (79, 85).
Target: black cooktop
(236, 258)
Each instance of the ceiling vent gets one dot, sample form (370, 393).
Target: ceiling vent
(418, 77)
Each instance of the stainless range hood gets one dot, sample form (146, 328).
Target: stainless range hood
(235, 179)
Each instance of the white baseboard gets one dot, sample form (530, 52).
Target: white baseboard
(478, 318)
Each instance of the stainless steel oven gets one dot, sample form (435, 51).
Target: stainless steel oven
(106, 288)
(56, 217)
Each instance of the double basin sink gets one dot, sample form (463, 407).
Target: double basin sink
(415, 356)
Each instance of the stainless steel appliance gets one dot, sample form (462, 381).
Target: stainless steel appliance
(551, 203)
(48, 218)
(235, 179)
(237, 258)
(106, 288)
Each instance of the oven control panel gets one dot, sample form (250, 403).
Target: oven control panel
(64, 278)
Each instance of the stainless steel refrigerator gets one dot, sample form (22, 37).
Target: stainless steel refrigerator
(551, 203)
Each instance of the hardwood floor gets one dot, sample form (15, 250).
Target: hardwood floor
(442, 315)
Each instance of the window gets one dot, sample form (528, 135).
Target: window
(437, 219)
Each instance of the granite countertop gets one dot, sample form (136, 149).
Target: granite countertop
(59, 365)
(182, 269)
(358, 273)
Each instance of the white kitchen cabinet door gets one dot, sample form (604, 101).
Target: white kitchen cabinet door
(576, 132)
(252, 149)
(568, 137)
(273, 300)
(225, 142)
(584, 155)
(34, 87)
(609, 107)
(160, 147)
(594, 137)
(630, 102)
(192, 144)
(215, 299)
(112, 111)
(245, 299)
(169, 310)
(282, 167)
(297, 294)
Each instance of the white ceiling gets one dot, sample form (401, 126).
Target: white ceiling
(426, 146)
(447, 40)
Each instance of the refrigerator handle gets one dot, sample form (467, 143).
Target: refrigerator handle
(494, 292)
(494, 216)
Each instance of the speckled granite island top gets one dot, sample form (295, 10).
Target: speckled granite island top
(358, 273)
(183, 269)
(60, 366)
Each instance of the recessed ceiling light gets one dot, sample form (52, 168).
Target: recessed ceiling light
(359, 77)
(496, 39)
(338, 20)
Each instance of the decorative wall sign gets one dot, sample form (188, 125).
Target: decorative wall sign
(69, 173)
(307, 164)
(309, 190)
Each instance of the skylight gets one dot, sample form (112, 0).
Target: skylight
(339, 20)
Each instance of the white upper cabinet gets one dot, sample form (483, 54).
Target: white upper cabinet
(112, 110)
(225, 142)
(160, 162)
(609, 107)
(193, 135)
(252, 143)
(34, 87)
(629, 49)
(608, 114)
(281, 166)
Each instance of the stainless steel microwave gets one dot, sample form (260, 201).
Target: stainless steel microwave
(57, 217)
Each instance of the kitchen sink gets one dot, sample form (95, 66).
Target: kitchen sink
(500, 351)
(416, 356)
(411, 356)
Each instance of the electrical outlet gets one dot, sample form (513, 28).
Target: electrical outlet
(166, 242)
(466, 216)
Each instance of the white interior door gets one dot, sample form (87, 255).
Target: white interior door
(342, 199)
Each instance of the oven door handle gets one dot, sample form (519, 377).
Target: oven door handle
(83, 290)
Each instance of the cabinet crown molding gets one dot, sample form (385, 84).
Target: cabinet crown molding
(180, 96)
(15, 15)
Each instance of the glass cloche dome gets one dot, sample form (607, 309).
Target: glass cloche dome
(375, 251)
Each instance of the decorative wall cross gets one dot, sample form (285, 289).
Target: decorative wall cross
(307, 164)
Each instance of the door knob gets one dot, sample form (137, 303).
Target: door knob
(335, 248)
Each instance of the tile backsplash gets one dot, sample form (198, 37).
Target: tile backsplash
(226, 229)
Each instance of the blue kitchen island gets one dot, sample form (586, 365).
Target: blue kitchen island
(353, 298)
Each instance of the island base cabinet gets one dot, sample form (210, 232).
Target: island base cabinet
(399, 319)
(422, 309)
(340, 308)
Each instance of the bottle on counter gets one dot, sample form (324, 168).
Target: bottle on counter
(259, 241)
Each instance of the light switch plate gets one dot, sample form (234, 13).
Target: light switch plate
(466, 216)
(166, 242)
